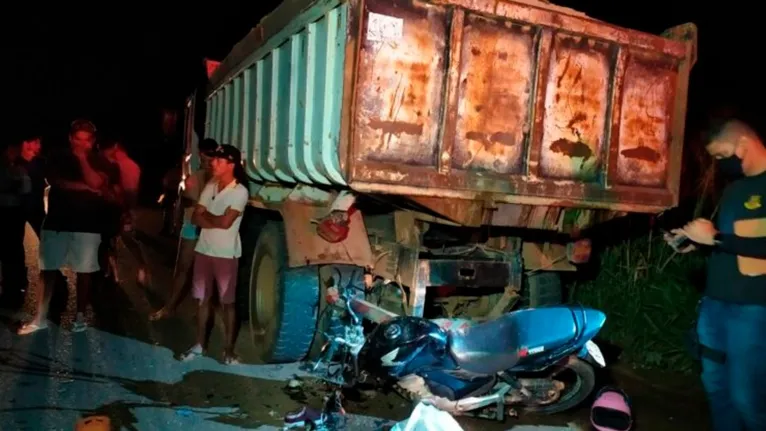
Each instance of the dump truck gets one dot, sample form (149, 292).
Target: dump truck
(446, 157)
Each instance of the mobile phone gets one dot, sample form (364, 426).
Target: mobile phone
(680, 242)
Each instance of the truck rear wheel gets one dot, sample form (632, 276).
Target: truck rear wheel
(283, 301)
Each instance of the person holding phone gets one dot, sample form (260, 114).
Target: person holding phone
(731, 326)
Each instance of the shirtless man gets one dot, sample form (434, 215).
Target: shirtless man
(126, 199)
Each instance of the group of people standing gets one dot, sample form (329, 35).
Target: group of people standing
(93, 191)
(91, 203)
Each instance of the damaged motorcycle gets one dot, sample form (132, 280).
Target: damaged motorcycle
(537, 360)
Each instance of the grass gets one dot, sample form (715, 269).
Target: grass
(650, 300)
(648, 292)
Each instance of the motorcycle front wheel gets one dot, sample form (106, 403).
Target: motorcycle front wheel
(581, 379)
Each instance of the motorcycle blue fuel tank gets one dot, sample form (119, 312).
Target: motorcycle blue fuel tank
(405, 344)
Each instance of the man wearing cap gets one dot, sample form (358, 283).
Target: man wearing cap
(71, 232)
(187, 240)
(219, 214)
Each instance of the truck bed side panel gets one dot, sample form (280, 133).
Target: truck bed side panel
(281, 103)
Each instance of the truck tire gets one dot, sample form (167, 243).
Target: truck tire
(541, 289)
(253, 221)
(283, 301)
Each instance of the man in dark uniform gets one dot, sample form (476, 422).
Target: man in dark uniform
(732, 315)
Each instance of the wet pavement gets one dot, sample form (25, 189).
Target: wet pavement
(124, 367)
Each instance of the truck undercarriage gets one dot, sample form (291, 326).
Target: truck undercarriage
(406, 266)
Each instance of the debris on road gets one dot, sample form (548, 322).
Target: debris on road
(428, 418)
(331, 417)
(94, 423)
(184, 412)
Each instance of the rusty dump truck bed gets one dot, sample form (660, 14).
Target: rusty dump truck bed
(493, 101)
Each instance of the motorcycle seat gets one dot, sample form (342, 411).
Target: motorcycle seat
(488, 347)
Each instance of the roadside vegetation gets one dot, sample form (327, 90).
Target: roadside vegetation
(650, 296)
(649, 292)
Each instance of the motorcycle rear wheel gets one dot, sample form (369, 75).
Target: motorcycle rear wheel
(571, 397)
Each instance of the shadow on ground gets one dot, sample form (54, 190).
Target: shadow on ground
(242, 401)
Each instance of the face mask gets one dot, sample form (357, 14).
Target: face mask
(731, 166)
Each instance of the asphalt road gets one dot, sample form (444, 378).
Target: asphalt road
(123, 367)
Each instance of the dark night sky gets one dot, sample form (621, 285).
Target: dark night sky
(120, 67)
(729, 71)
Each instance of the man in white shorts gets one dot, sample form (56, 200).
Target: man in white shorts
(71, 232)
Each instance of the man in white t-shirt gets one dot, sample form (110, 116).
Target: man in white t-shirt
(219, 214)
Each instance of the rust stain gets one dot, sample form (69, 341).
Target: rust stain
(579, 117)
(396, 128)
(571, 149)
(328, 255)
(401, 89)
(495, 90)
(642, 153)
(563, 74)
(504, 138)
(488, 140)
(645, 119)
(576, 107)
